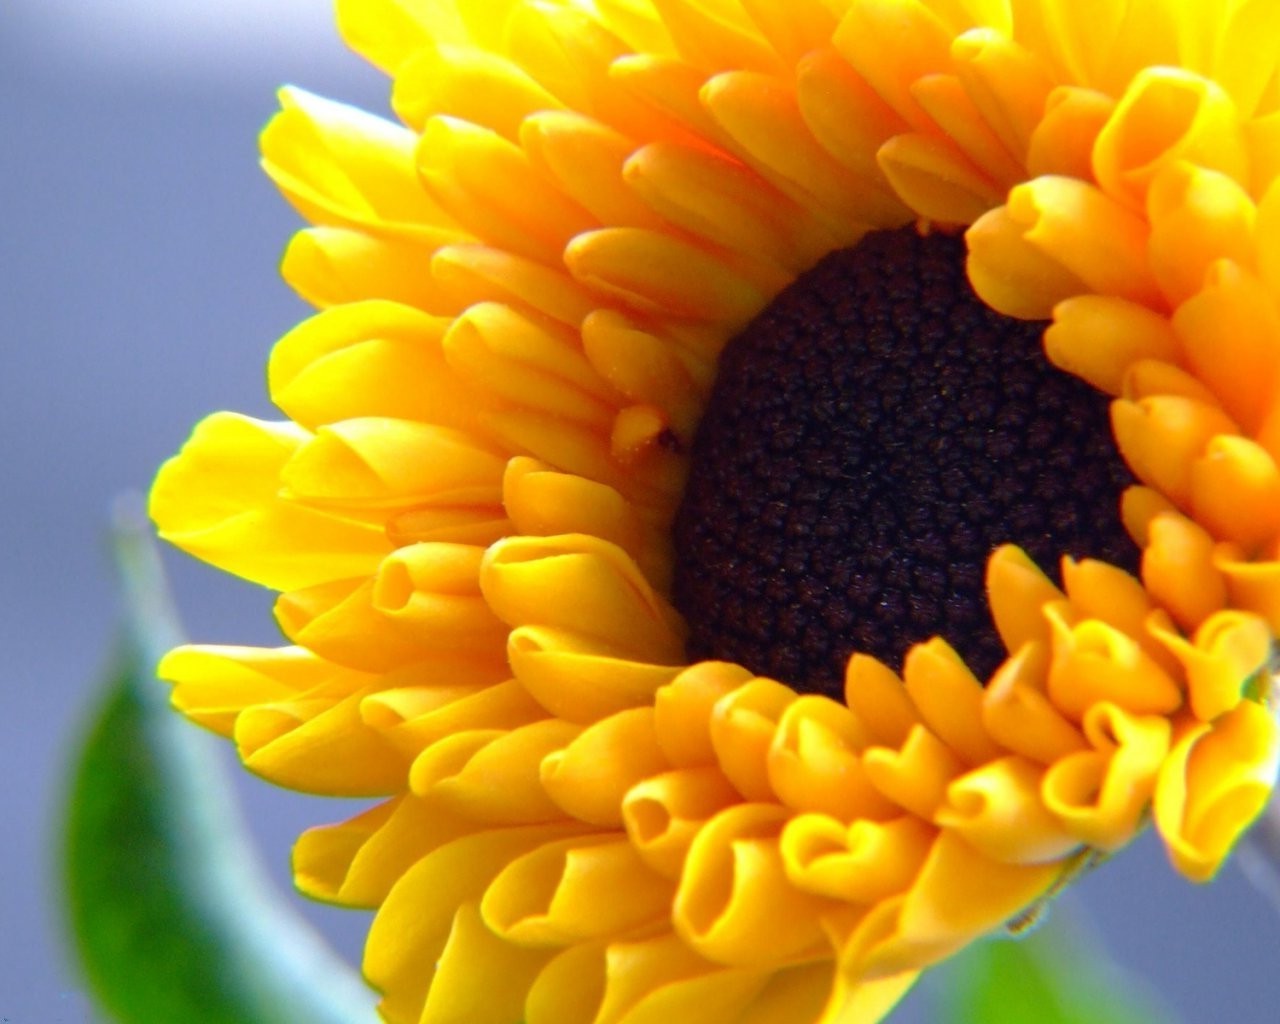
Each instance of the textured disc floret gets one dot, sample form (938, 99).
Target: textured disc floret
(873, 435)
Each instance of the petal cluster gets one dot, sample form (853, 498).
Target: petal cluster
(523, 288)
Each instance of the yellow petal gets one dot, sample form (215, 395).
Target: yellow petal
(1215, 782)
(590, 777)
(997, 809)
(219, 499)
(735, 904)
(575, 890)
(1101, 794)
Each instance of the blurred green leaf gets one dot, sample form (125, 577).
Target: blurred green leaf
(173, 917)
(1053, 975)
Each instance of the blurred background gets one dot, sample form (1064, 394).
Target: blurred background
(138, 291)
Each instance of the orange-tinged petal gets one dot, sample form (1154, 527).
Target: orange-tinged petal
(1018, 713)
(1235, 491)
(1181, 570)
(949, 699)
(879, 699)
(1197, 216)
(685, 706)
(1099, 337)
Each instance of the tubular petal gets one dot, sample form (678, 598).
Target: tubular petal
(1230, 332)
(467, 83)
(419, 912)
(947, 101)
(1215, 782)
(1064, 139)
(319, 746)
(949, 699)
(922, 44)
(357, 862)
(476, 176)
(368, 359)
(934, 178)
(569, 987)
(652, 273)
(1254, 586)
(1101, 794)
(339, 165)
(998, 810)
(1090, 235)
(663, 813)
(1099, 337)
(499, 781)
(480, 273)
(1018, 713)
(1161, 437)
(1010, 274)
(1197, 216)
(743, 726)
(916, 775)
(846, 116)
(526, 289)
(685, 706)
(1168, 114)
(1094, 662)
(1006, 82)
(734, 893)
(219, 500)
(479, 979)
(879, 699)
(1235, 491)
(863, 862)
(590, 777)
(762, 118)
(574, 890)
(1018, 591)
(332, 266)
(813, 762)
(1181, 570)
(580, 583)
(213, 684)
(576, 678)
(958, 895)
(1228, 651)
(380, 463)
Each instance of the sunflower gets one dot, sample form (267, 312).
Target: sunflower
(773, 490)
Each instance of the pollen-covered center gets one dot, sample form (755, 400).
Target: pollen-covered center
(872, 436)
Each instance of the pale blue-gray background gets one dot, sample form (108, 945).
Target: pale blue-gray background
(138, 290)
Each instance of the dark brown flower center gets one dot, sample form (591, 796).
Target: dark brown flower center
(872, 436)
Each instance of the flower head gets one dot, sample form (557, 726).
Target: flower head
(622, 785)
